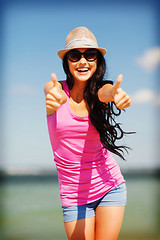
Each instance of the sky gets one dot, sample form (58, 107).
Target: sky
(33, 31)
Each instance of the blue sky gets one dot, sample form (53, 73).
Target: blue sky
(32, 32)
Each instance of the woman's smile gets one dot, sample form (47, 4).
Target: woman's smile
(83, 71)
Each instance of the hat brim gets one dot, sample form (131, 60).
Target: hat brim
(61, 53)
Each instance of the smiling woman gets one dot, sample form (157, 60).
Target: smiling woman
(82, 129)
(33, 31)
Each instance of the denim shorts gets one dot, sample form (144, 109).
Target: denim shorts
(115, 197)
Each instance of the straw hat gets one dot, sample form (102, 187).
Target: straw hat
(80, 37)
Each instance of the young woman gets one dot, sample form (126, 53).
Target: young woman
(82, 129)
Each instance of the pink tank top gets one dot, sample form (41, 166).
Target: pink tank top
(86, 170)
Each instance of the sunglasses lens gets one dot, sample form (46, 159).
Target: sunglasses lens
(91, 55)
(74, 56)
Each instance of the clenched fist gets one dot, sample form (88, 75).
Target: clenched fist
(113, 93)
(120, 97)
(55, 96)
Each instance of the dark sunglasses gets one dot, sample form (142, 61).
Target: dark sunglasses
(75, 55)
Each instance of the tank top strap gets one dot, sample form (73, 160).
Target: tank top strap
(65, 88)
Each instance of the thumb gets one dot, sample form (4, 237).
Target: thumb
(117, 84)
(54, 79)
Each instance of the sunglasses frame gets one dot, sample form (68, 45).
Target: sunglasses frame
(79, 54)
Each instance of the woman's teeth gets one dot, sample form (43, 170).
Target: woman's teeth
(82, 70)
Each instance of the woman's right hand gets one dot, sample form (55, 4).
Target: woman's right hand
(55, 96)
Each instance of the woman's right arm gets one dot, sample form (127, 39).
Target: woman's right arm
(55, 96)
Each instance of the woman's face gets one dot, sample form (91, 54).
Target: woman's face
(82, 70)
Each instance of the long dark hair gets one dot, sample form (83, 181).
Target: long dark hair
(102, 115)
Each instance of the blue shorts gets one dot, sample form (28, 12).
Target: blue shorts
(115, 197)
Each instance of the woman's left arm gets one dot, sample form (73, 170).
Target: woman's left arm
(113, 93)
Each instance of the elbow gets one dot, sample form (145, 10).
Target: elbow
(101, 96)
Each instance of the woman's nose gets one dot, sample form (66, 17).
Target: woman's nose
(82, 59)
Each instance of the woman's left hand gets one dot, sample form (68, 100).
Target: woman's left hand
(120, 97)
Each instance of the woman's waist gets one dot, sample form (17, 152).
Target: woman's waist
(74, 158)
(83, 193)
(86, 169)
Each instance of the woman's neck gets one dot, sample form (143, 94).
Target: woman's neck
(76, 93)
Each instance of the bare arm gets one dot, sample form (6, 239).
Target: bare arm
(113, 93)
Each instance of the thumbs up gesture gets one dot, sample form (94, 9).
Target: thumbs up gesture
(113, 93)
(55, 96)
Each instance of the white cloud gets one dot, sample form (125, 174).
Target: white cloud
(143, 96)
(146, 96)
(150, 59)
(23, 90)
